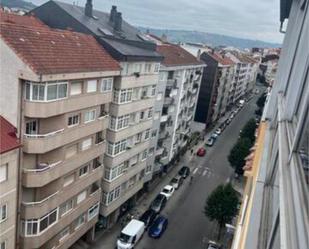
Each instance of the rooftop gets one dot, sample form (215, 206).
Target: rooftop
(175, 55)
(50, 51)
(224, 60)
(8, 139)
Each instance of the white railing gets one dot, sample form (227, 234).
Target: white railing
(39, 202)
(48, 166)
(43, 135)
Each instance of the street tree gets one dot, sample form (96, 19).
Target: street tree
(221, 205)
(249, 130)
(261, 101)
(238, 154)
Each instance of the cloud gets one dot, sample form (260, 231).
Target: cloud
(241, 18)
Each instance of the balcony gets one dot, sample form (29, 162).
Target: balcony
(40, 239)
(34, 178)
(71, 104)
(168, 101)
(159, 151)
(133, 81)
(42, 143)
(38, 208)
(134, 106)
(164, 118)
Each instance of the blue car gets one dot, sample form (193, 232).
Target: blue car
(158, 227)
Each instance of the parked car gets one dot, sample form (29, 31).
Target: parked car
(148, 217)
(168, 191)
(130, 234)
(177, 181)
(184, 172)
(213, 245)
(158, 227)
(218, 131)
(201, 152)
(210, 142)
(214, 135)
(158, 203)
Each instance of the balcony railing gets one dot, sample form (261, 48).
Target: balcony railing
(43, 166)
(34, 203)
(44, 135)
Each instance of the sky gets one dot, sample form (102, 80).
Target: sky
(251, 19)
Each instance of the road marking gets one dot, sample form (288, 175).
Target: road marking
(205, 172)
(194, 171)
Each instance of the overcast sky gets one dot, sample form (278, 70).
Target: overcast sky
(252, 19)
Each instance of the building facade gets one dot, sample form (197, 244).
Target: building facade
(9, 170)
(274, 212)
(213, 98)
(60, 89)
(132, 107)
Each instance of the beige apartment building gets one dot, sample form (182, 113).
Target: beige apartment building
(9, 165)
(56, 89)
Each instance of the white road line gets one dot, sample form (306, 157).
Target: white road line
(194, 171)
(205, 172)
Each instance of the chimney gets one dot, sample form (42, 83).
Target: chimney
(88, 8)
(113, 13)
(118, 21)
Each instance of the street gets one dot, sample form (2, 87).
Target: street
(188, 226)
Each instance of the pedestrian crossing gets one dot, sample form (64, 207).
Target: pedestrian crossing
(202, 171)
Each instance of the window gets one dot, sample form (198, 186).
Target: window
(156, 115)
(83, 170)
(81, 196)
(57, 91)
(123, 95)
(159, 96)
(144, 155)
(71, 151)
(147, 68)
(153, 90)
(106, 84)
(138, 137)
(148, 169)
(151, 151)
(3, 172)
(144, 92)
(111, 196)
(156, 68)
(32, 127)
(150, 112)
(45, 92)
(64, 233)
(137, 68)
(116, 148)
(68, 180)
(66, 207)
(80, 221)
(89, 116)
(3, 244)
(112, 173)
(135, 95)
(3, 213)
(91, 86)
(142, 115)
(93, 211)
(147, 134)
(154, 133)
(123, 121)
(73, 120)
(86, 144)
(76, 88)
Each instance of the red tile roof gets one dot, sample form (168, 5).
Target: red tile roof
(21, 20)
(176, 56)
(224, 60)
(50, 51)
(8, 139)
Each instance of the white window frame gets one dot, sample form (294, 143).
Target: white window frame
(67, 206)
(153, 90)
(111, 196)
(92, 86)
(95, 209)
(78, 222)
(76, 83)
(70, 182)
(64, 234)
(150, 113)
(88, 144)
(123, 96)
(144, 155)
(81, 197)
(156, 68)
(88, 118)
(3, 211)
(73, 118)
(106, 85)
(147, 134)
(4, 172)
(114, 149)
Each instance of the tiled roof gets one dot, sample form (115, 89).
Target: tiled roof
(176, 56)
(8, 139)
(224, 60)
(21, 20)
(50, 51)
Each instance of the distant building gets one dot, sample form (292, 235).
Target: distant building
(9, 187)
(213, 98)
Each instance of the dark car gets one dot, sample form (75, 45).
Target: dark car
(148, 218)
(184, 172)
(158, 227)
(176, 182)
(201, 152)
(158, 203)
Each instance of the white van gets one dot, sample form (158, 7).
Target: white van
(130, 234)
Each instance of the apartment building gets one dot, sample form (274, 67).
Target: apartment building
(181, 74)
(274, 212)
(9, 168)
(131, 110)
(56, 88)
(213, 98)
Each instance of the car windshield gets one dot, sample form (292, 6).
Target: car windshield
(124, 238)
(165, 191)
(174, 180)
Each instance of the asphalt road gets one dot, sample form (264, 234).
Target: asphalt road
(188, 227)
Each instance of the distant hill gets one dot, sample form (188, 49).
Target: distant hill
(20, 4)
(209, 38)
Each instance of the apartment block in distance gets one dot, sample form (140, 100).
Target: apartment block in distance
(131, 110)
(216, 85)
(274, 212)
(9, 168)
(56, 88)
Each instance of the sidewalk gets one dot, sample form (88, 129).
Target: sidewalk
(108, 238)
